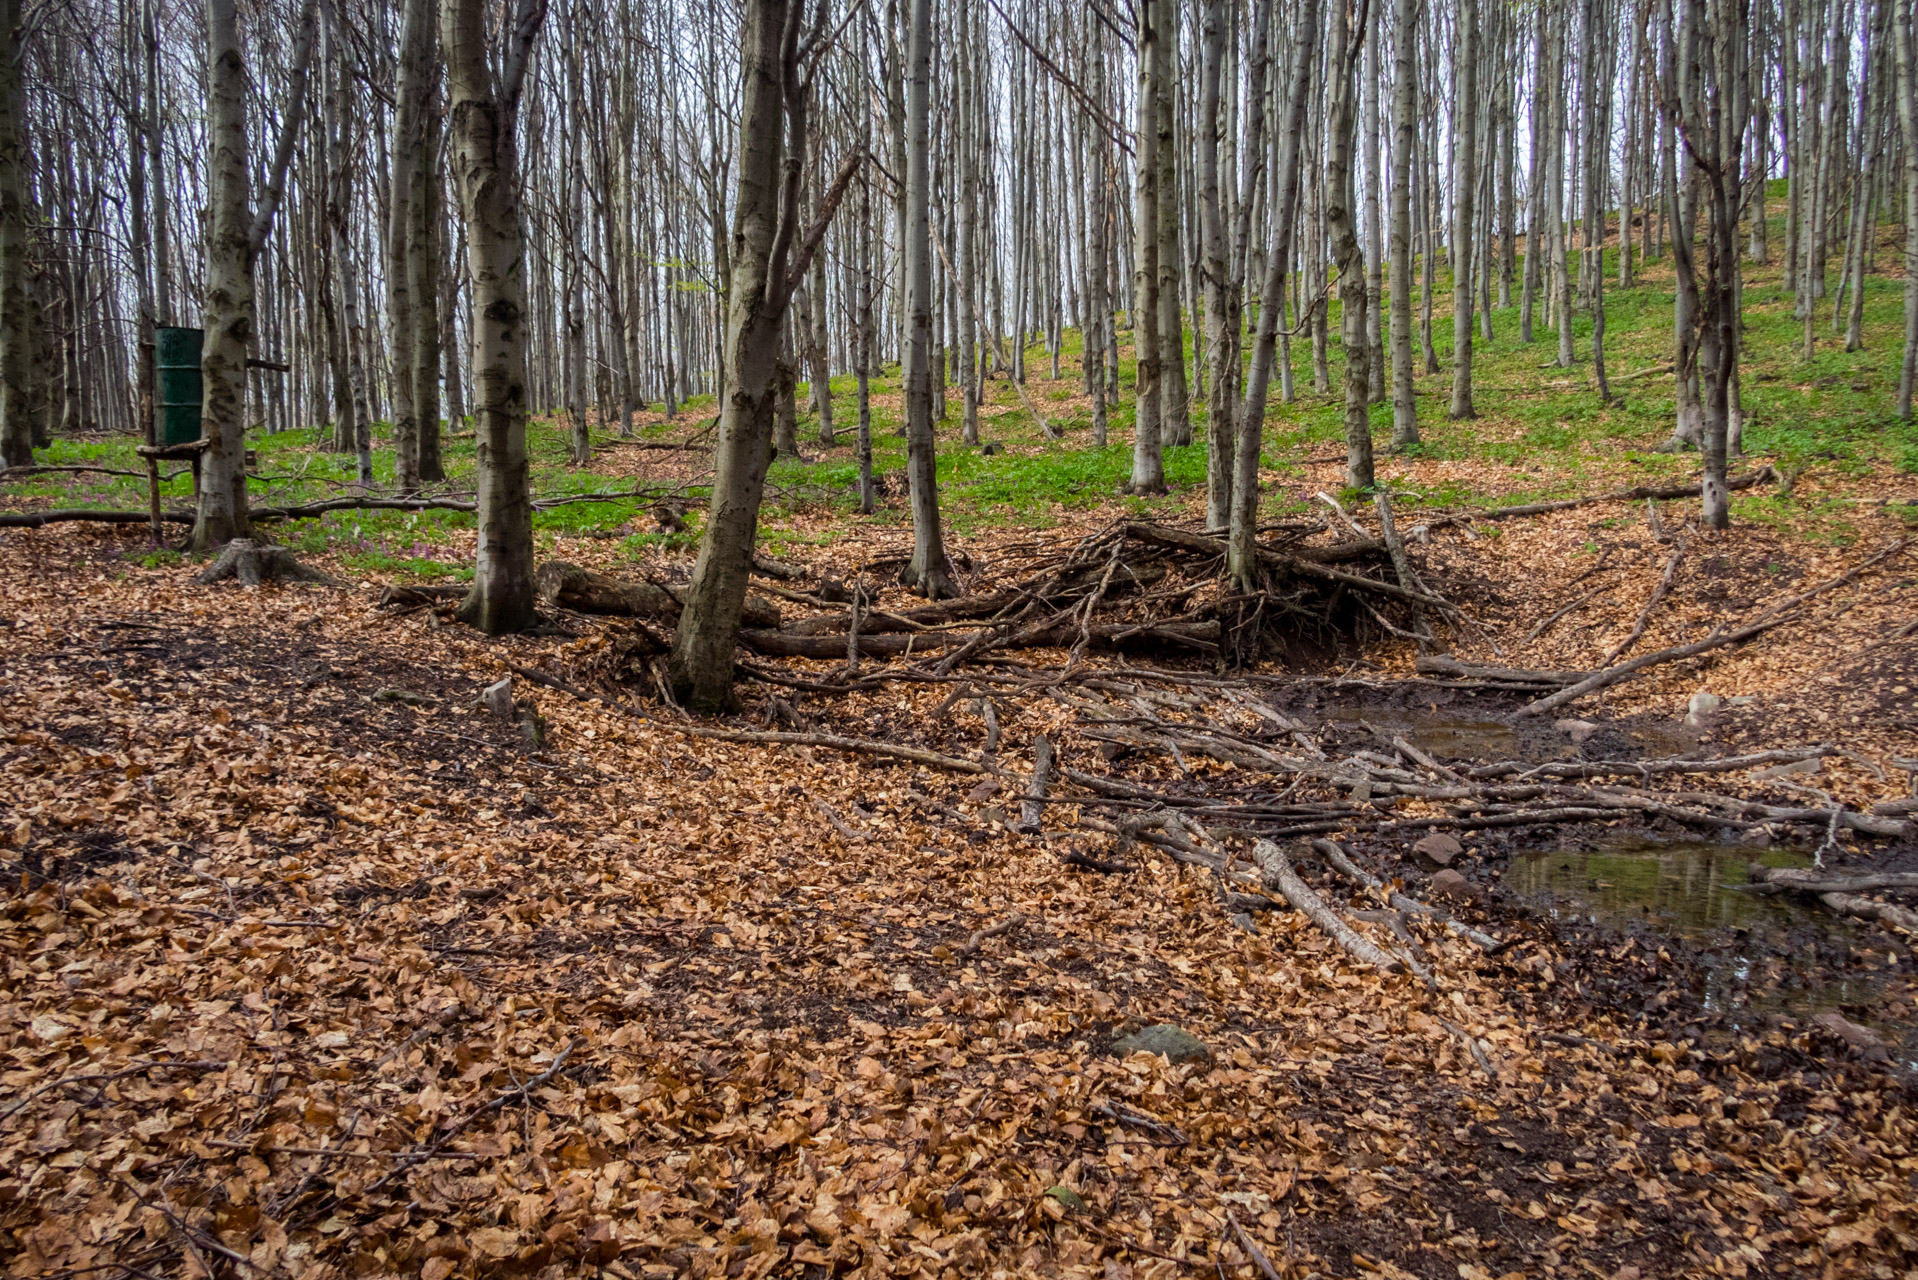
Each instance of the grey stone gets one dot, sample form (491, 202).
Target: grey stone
(1789, 768)
(1577, 730)
(1699, 710)
(1175, 1044)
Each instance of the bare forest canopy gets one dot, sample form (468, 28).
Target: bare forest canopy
(451, 216)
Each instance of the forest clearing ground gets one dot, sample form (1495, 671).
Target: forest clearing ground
(289, 915)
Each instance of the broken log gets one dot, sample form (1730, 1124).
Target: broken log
(1033, 811)
(1810, 880)
(562, 584)
(1846, 904)
(832, 742)
(1442, 664)
(1663, 493)
(1279, 875)
(1114, 635)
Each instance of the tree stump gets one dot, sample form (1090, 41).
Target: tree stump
(256, 562)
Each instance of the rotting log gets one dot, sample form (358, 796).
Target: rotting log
(562, 584)
(1443, 664)
(1810, 880)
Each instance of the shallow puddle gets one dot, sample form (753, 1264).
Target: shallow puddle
(1764, 954)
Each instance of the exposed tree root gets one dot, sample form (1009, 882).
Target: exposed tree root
(256, 562)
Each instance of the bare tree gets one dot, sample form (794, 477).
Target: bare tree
(769, 256)
(484, 109)
(929, 572)
(236, 231)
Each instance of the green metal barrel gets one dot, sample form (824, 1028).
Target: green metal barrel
(177, 389)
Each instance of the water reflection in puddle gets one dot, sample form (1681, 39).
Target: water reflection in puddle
(1763, 954)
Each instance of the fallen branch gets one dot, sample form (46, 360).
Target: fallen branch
(1440, 664)
(832, 742)
(1662, 493)
(1772, 617)
(1808, 881)
(1000, 930)
(523, 1090)
(60, 515)
(1358, 875)
(1279, 875)
(1647, 768)
(1659, 593)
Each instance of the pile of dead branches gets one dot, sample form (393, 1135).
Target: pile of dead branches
(1133, 586)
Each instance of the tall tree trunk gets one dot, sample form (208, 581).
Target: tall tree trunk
(1148, 345)
(19, 334)
(484, 117)
(1221, 303)
(1242, 564)
(235, 234)
(929, 572)
(1341, 61)
(1903, 38)
(758, 297)
(1405, 420)
(1175, 410)
(409, 141)
(1465, 184)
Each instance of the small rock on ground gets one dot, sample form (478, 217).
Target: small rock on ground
(1175, 1044)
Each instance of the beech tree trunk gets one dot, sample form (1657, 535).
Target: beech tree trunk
(1148, 456)
(1465, 182)
(1405, 421)
(1904, 40)
(929, 572)
(484, 115)
(1242, 561)
(18, 333)
(758, 296)
(235, 234)
(1341, 60)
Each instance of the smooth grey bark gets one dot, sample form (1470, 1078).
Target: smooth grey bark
(404, 188)
(929, 572)
(235, 233)
(768, 258)
(1405, 420)
(1148, 455)
(1465, 182)
(1906, 55)
(1221, 302)
(18, 333)
(1175, 409)
(1341, 61)
(1242, 564)
(484, 111)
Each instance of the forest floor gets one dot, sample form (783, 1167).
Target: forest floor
(313, 969)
